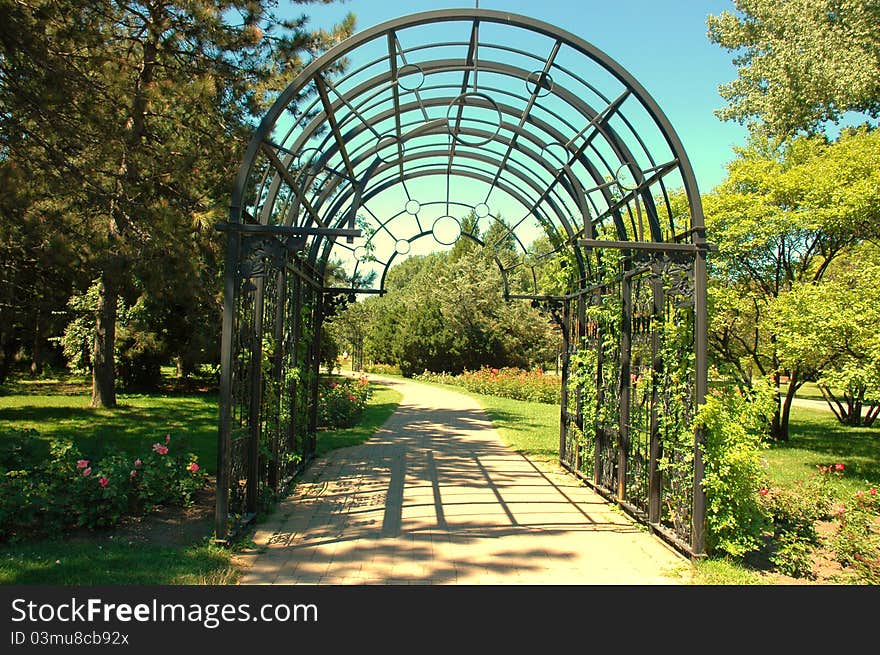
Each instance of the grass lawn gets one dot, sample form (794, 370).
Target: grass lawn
(170, 550)
(817, 438)
(99, 560)
(58, 408)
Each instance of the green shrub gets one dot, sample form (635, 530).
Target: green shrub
(514, 383)
(735, 424)
(856, 543)
(383, 369)
(168, 474)
(341, 401)
(69, 490)
(21, 448)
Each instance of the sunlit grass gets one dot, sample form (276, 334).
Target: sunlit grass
(100, 561)
(61, 410)
(818, 439)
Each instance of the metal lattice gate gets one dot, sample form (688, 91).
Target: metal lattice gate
(391, 137)
(632, 374)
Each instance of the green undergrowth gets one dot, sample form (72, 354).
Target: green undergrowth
(100, 561)
(381, 404)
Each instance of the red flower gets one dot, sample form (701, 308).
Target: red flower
(159, 448)
(351, 398)
(872, 491)
(103, 481)
(82, 464)
(193, 467)
(764, 492)
(838, 467)
(493, 371)
(87, 472)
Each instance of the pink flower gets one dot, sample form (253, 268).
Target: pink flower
(87, 472)
(103, 481)
(838, 467)
(193, 467)
(82, 464)
(860, 493)
(333, 385)
(138, 463)
(132, 474)
(840, 510)
(167, 438)
(159, 448)
(764, 492)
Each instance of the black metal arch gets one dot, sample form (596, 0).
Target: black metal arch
(355, 168)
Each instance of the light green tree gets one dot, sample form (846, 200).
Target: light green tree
(780, 219)
(800, 63)
(829, 330)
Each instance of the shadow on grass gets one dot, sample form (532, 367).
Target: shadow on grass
(101, 561)
(131, 428)
(822, 440)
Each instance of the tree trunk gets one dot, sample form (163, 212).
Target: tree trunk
(7, 354)
(37, 350)
(103, 356)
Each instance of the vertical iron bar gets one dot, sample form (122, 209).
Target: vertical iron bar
(600, 395)
(579, 398)
(566, 355)
(701, 388)
(256, 382)
(224, 441)
(295, 381)
(655, 481)
(277, 372)
(317, 322)
(625, 345)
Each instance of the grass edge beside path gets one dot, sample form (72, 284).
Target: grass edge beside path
(109, 558)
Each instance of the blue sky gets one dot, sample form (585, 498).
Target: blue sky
(662, 44)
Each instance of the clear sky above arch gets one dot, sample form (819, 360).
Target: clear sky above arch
(662, 44)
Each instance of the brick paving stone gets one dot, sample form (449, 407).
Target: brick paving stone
(436, 497)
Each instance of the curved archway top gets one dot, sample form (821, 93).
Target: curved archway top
(446, 113)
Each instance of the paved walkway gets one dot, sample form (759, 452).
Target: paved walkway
(435, 497)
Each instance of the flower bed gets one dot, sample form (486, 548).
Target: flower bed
(517, 384)
(71, 490)
(341, 401)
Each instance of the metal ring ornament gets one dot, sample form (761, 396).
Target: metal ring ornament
(446, 230)
(460, 100)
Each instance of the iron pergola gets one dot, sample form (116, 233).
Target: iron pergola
(380, 147)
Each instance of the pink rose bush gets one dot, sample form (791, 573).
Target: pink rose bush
(70, 491)
(341, 402)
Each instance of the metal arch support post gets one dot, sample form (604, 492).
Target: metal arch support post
(701, 388)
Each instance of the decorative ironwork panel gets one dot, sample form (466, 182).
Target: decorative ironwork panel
(640, 407)
(676, 401)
